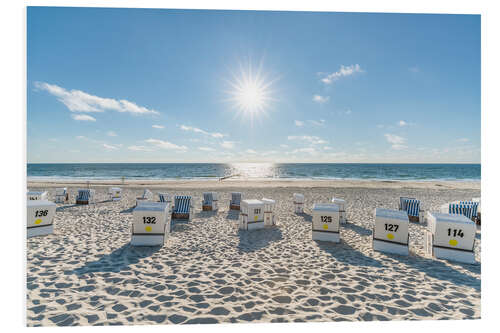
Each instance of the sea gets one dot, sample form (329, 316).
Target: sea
(289, 171)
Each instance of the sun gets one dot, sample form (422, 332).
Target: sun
(251, 93)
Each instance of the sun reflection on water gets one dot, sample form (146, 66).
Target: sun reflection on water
(254, 170)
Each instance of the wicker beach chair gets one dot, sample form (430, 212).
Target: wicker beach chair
(182, 207)
(209, 201)
(85, 197)
(235, 202)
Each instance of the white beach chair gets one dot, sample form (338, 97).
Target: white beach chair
(326, 222)
(62, 195)
(269, 219)
(147, 196)
(115, 193)
(251, 214)
(209, 201)
(298, 203)
(450, 237)
(390, 233)
(167, 198)
(341, 203)
(85, 196)
(37, 195)
(183, 208)
(40, 217)
(235, 202)
(151, 224)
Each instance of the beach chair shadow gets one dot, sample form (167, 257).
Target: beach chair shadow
(254, 240)
(346, 254)
(357, 229)
(117, 260)
(128, 210)
(439, 270)
(63, 208)
(206, 214)
(305, 216)
(233, 214)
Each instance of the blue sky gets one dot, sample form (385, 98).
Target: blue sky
(137, 85)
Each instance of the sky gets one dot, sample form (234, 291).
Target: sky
(152, 85)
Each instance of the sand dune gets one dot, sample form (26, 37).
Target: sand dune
(208, 271)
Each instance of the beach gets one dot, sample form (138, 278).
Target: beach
(208, 271)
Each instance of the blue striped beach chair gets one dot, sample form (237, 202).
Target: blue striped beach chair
(164, 197)
(85, 196)
(412, 208)
(209, 201)
(466, 208)
(235, 202)
(182, 207)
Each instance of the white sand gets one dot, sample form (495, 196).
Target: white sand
(208, 271)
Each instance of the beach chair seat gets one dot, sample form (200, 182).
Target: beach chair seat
(62, 195)
(298, 203)
(85, 196)
(235, 202)
(147, 196)
(251, 215)
(450, 237)
(209, 201)
(342, 212)
(390, 233)
(182, 207)
(40, 217)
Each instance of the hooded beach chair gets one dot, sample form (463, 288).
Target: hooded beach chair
(209, 201)
(115, 193)
(412, 208)
(466, 208)
(182, 208)
(85, 197)
(235, 202)
(61, 195)
(37, 195)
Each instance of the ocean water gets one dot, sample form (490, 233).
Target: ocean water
(165, 171)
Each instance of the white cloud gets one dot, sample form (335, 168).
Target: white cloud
(320, 99)
(110, 147)
(79, 101)
(397, 142)
(82, 117)
(165, 144)
(299, 123)
(81, 137)
(284, 146)
(314, 140)
(402, 123)
(158, 126)
(463, 140)
(139, 148)
(327, 148)
(414, 69)
(228, 144)
(111, 133)
(198, 130)
(348, 111)
(251, 151)
(206, 148)
(304, 150)
(343, 71)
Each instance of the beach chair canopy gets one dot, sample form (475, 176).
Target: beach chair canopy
(466, 208)
(83, 195)
(403, 202)
(235, 198)
(163, 197)
(182, 204)
(208, 198)
(412, 207)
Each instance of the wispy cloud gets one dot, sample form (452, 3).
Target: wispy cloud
(111, 147)
(198, 130)
(463, 140)
(165, 145)
(320, 99)
(250, 151)
(111, 133)
(299, 123)
(158, 126)
(402, 123)
(284, 146)
(314, 140)
(320, 122)
(79, 101)
(304, 150)
(397, 142)
(342, 72)
(414, 69)
(228, 144)
(82, 117)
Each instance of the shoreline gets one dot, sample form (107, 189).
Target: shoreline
(267, 183)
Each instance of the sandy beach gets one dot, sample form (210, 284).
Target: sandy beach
(208, 271)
